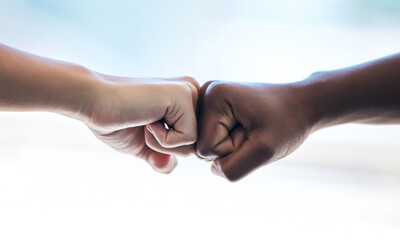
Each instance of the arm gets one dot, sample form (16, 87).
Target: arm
(118, 110)
(33, 83)
(256, 124)
(366, 93)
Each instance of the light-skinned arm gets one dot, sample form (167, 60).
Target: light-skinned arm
(125, 113)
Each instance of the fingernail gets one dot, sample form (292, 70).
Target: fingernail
(216, 169)
(149, 129)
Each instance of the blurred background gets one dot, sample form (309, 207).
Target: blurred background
(57, 181)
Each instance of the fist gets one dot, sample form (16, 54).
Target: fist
(129, 114)
(243, 126)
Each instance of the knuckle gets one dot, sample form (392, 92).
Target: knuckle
(217, 88)
(185, 91)
(190, 80)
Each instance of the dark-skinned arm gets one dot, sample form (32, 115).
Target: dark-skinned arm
(243, 126)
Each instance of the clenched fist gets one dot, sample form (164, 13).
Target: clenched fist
(129, 115)
(243, 126)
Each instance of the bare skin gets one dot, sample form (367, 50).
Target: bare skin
(243, 126)
(125, 113)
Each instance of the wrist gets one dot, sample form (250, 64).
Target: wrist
(317, 98)
(330, 99)
(77, 96)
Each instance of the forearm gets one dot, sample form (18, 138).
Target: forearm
(33, 83)
(366, 93)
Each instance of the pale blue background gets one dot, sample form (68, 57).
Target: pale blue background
(58, 182)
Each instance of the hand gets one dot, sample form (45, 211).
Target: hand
(116, 109)
(129, 114)
(245, 126)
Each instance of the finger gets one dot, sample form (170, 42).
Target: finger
(192, 84)
(152, 142)
(219, 133)
(248, 157)
(201, 95)
(131, 141)
(181, 117)
(184, 131)
(162, 163)
(234, 139)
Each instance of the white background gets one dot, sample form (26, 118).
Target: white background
(57, 181)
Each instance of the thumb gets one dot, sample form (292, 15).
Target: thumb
(173, 138)
(248, 157)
